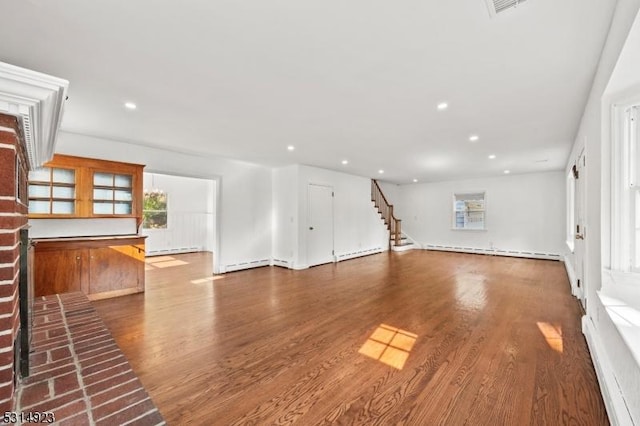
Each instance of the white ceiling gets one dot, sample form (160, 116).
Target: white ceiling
(356, 80)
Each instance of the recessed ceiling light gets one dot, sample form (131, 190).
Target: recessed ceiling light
(415, 180)
(442, 106)
(291, 147)
(381, 171)
(130, 105)
(473, 138)
(492, 156)
(345, 162)
(506, 172)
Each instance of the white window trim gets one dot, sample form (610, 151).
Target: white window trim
(621, 251)
(632, 135)
(453, 211)
(571, 210)
(166, 211)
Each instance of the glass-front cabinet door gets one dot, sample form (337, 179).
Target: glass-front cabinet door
(112, 194)
(52, 191)
(79, 187)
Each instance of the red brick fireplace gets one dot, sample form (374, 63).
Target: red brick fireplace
(31, 105)
(13, 218)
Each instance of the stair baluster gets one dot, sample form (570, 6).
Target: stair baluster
(394, 225)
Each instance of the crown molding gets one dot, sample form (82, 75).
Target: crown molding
(37, 100)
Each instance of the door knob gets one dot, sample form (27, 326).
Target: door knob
(311, 228)
(579, 237)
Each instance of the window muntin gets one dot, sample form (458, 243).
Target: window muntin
(52, 190)
(469, 211)
(112, 194)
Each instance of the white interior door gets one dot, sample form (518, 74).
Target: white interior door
(580, 230)
(320, 225)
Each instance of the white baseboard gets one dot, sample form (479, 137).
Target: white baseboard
(493, 252)
(404, 247)
(281, 263)
(571, 274)
(337, 258)
(178, 250)
(359, 253)
(611, 393)
(245, 265)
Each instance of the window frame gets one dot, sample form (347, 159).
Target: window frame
(166, 212)
(457, 197)
(625, 187)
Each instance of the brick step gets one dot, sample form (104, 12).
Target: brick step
(78, 372)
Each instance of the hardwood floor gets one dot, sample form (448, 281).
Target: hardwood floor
(487, 341)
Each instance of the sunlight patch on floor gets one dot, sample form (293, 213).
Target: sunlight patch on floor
(156, 259)
(169, 264)
(207, 279)
(162, 262)
(389, 345)
(471, 291)
(552, 334)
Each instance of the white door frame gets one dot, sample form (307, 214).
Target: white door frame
(311, 226)
(580, 230)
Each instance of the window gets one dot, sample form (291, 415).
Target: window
(469, 211)
(625, 253)
(154, 210)
(52, 190)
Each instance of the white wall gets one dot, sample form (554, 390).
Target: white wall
(190, 214)
(611, 355)
(285, 216)
(53, 228)
(212, 209)
(523, 212)
(243, 203)
(358, 229)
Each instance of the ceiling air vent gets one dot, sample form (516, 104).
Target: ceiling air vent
(497, 6)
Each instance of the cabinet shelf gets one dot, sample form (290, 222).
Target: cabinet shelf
(51, 183)
(52, 199)
(116, 188)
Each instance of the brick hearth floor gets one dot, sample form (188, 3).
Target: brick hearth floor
(77, 370)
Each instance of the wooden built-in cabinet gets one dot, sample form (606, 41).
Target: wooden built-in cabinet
(99, 267)
(69, 187)
(78, 187)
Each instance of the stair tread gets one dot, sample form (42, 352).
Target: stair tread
(406, 243)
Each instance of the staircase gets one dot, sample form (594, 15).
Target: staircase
(397, 240)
